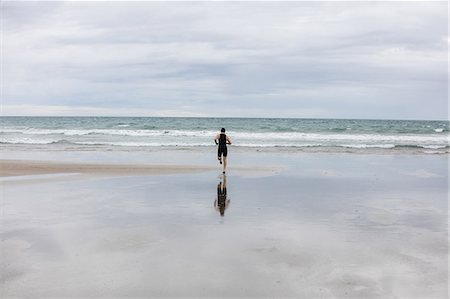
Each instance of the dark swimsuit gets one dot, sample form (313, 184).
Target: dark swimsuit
(222, 146)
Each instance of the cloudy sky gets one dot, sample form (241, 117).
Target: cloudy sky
(237, 59)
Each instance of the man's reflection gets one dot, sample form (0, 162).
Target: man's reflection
(222, 203)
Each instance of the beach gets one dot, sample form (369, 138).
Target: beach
(124, 223)
(224, 149)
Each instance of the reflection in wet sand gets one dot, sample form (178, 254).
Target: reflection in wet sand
(222, 203)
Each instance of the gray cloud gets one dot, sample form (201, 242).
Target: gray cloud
(293, 59)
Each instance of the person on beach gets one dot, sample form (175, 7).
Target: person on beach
(222, 203)
(222, 140)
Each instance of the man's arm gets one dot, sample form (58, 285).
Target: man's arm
(215, 139)
(228, 140)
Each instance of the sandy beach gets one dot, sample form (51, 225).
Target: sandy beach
(20, 168)
(302, 226)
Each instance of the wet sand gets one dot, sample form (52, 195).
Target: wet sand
(320, 226)
(27, 167)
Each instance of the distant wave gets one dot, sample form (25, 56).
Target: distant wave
(120, 132)
(368, 145)
(339, 129)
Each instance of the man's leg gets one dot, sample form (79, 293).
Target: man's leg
(224, 163)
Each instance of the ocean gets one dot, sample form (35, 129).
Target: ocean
(287, 133)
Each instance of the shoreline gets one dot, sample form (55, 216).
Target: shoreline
(398, 150)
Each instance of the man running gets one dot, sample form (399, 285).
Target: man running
(222, 140)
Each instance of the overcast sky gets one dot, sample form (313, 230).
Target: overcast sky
(237, 59)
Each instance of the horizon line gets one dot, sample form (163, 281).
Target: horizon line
(225, 117)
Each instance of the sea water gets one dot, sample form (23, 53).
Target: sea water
(321, 134)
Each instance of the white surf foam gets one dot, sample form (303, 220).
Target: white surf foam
(127, 137)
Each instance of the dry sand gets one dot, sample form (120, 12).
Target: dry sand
(11, 168)
(24, 167)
